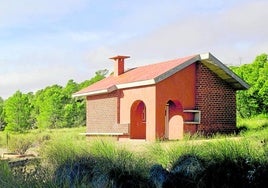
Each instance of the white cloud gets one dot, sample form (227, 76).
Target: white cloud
(14, 12)
(36, 78)
(229, 34)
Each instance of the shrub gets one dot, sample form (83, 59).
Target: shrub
(6, 177)
(187, 171)
(19, 143)
(75, 172)
(258, 176)
(227, 173)
(128, 170)
(104, 166)
(62, 149)
(118, 167)
(158, 176)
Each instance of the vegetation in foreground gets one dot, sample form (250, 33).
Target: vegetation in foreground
(67, 159)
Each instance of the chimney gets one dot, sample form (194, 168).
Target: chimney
(119, 62)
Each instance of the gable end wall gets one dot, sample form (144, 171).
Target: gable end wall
(217, 101)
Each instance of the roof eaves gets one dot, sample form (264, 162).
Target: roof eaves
(136, 84)
(90, 93)
(223, 71)
(176, 69)
(96, 92)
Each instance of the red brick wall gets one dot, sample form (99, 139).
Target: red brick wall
(216, 100)
(102, 114)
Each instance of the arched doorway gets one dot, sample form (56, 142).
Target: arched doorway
(173, 120)
(138, 120)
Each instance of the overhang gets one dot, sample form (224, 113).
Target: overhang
(223, 71)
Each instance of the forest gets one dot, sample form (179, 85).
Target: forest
(54, 106)
(51, 107)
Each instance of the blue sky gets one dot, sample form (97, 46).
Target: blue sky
(48, 42)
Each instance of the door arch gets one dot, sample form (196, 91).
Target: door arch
(138, 120)
(173, 120)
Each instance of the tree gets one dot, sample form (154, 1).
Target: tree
(74, 110)
(253, 101)
(49, 104)
(17, 109)
(99, 75)
(2, 120)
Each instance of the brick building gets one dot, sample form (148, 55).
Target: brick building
(164, 100)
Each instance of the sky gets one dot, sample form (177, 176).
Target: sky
(48, 42)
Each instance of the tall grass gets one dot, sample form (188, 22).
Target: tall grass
(256, 123)
(63, 148)
(252, 150)
(3, 139)
(6, 178)
(20, 143)
(118, 166)
(69, 160)
(99, 163)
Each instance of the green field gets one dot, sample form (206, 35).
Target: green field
(65, 158)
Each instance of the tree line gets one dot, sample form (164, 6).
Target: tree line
(51, 107)
(254, 101)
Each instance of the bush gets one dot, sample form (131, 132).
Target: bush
(158, 176)
(227, 173)
(22, 176)
(19, 143)
(104, 166)
(117, 167)
(75, 172)
(6, 177)
(128, 170)
(258, 176)
(186, 171)
(59, 150)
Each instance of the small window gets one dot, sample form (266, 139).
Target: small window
(196, 116)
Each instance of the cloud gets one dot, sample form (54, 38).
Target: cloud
(14, 13)
(36, 78)
(249, 17)
(230, 34)
(42, 67)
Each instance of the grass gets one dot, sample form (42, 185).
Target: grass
(69, 160)
(99, 162)
(256, 123)
(254, 128)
